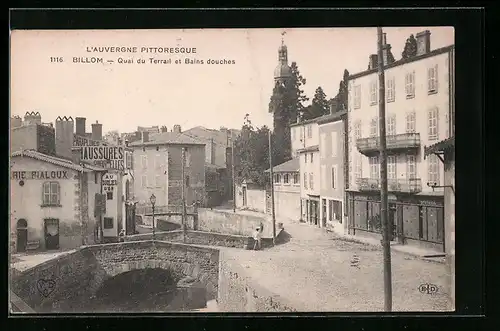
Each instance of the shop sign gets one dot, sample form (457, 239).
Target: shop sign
(109, 179)
(108, 157)
(37, 174)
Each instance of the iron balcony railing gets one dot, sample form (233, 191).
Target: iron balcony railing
(393, 143)
(413, 185)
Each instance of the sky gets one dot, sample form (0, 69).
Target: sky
(123, 96)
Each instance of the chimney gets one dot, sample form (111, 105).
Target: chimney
(145, 136)
(386, 50)
(177, 128)
(32, 117)
(64, 137)
(15, 122)
(373, 64)
(423, 42)
(80, 126)
(97, 131)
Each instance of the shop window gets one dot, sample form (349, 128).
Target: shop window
(108, 222)
(109, 195)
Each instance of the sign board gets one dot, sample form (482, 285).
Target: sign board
(37, 174)
(109, 157)
(80, 141)
(109, 179)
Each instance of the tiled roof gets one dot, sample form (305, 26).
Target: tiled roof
(56, 161)
(289, 166)
(309, 149)
(168, 138)
(440, 146)
(204, 134)
(330, 117)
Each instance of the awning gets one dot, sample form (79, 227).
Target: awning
(441, 146)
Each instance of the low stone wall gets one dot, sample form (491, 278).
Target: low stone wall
(239, 293)
(227, 222)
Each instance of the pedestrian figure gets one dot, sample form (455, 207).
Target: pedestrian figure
(257, 236)
(121, 235)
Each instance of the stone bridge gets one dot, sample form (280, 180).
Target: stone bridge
(60, 283)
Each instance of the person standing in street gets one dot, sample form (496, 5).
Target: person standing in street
(257, 236)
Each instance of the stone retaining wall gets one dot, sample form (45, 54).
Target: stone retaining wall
(227, 222)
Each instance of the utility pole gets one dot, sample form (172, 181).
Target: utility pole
(183, 193)
(233, 187)
(383, 176)
(271, 176)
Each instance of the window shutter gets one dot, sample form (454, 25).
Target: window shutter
(436, 77)
(437, 122)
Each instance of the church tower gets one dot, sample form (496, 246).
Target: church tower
(282, 71)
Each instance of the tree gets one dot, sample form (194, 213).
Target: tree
(286, 104)
(319, 105)
(410, 49)
(112, 136)
(340, 100)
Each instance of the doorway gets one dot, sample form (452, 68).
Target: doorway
(130, 219)
(51, 231)
(22, 235)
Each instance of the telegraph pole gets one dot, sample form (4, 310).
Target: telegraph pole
(183, 193)
(271, 175)
(232, 173)
(383, 177)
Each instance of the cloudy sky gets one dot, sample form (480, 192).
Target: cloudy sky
(124, 96)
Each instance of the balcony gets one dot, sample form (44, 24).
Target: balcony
(393, 185)
(395, 143)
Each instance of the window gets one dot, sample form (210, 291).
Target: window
(323, 177)
(302, 133)
(374, 127)
(391, 89)
(129, 160)
(144, 160)
(312, 157)
(334, 143)
(51, 194)
(433, 124)
(391, 167)
(373, 93)
(322, 147)
(305, 158)
(411, 122)
(144, 181)
(108, 222)
(311, 181)
(158, 162)
(432, 82)
(286, 179)
(309, 131)
(357, 130)
(357, 96)
(187, 181)
(410, 85)
(359, 167)
(374, 167)
(334, 177)
(296, 178)
(158, 180)
(446, 125)
(277, 178)
(305, 180)
(188, 158)
(95, 177)
(411, 167)
(391, 125)
(433, 169)
(109, 195)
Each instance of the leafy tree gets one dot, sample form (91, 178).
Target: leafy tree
(319, 105)
(410, 49)
(286, 104)
(112, 136)
(340, 100)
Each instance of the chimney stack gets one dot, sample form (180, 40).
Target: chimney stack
(97, 131)
(373, 64)
(64, 137)
(145, 136)
(386, 49)
(423, 42)
(80, 126)
(177, 128)
(15, 122)
(32, 117)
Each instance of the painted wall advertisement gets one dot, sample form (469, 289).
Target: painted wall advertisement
(109, 157)
(109, 181)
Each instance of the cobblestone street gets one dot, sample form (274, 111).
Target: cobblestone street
(323, 272)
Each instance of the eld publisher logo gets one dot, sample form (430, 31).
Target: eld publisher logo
(428, 289)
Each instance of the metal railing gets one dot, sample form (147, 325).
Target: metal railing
(412, 185)
(393, 142)
(174, 209)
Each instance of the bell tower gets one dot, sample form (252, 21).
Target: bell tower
(282, 71)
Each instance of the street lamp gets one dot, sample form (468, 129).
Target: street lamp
(152, 199)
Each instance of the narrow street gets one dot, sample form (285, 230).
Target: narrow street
(322, 272)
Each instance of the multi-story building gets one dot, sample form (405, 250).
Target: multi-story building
(332, 165)
(418, 102)
(305, 146)
(158, 168)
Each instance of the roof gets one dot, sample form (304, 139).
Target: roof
(289, 166)
(435, 52)
(204, 134)
(56, 161)
(313, 148)
(440, 146)
(167, 138)
(331, 117)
